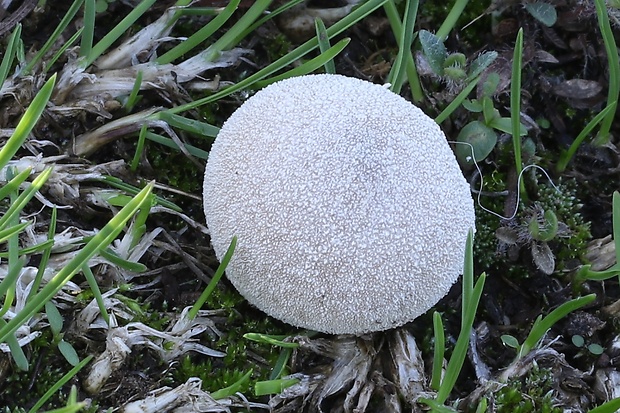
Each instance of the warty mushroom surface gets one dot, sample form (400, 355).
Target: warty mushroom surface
(349, 206)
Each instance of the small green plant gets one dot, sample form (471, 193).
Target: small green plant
(482, 134)
(534, 229)
(551, 230)
(592, 348)
(530, 394)
(543, 324)
(452, 68)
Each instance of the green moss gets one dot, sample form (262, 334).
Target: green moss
(277, 47)
(569, 244)
(213, 376)
(567, 208)
(218, 373)
(47, 366)
(174, 168)
(530, 394)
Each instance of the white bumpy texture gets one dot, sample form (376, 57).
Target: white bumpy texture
(349, 206)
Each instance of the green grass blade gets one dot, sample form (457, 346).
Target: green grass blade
(566, 157)
(17, 354)
(47, 252)
(20, 202)
(189, 125)
(323, 38)
(13, 230)
(111, 256)
(435, 406)
(61, 51)
(234, 388)
(585, 273)
(412, 74)
(614, 66)
(9, 54)
(270, 339)
(462, 343)
(193, 312)
(456, 102)
(542, 325)
(611, 406)
(59, 384)
(14, 183)
(139, 148)
(27, 122)
(8, 284)
(231, 37)
(468, 275)
(133, 96)
(439, 347)
(163, 140)
(616, 223)
(471, 297)
(103, 238)
(94, 287)
(280, 367)
(132, 190)
(263, 388)
(200, 36)
(337, 28)
(68, 17)
(309, 66)
(88, 34)
(450, 20)
(288, 5)
(397, 72)
(34, 249)
(199, 11)
(515, 105)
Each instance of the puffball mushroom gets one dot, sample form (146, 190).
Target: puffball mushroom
(349, 206)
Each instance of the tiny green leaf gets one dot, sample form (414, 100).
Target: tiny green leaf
(542, 325)
(481, 138)
(262, 388)
(434, 50)
(483, 61)
(490, 84)
(472, 105)
(578, 340)
(454, 73)
(233, 388)
(510, 341)
(488, 110)
(53, 317)
(546, 232)
(505, 125)
(596, 349)
(69, 353)
(543, 12)
(270, 339)
(455, 60)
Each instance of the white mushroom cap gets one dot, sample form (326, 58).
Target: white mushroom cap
(350, 209)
